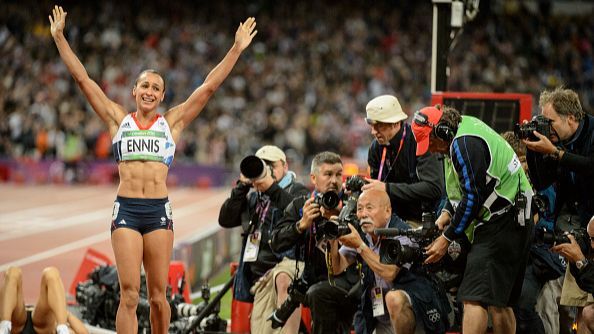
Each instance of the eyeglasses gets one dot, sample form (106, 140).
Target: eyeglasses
(379, 125)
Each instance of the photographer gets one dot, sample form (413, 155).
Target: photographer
(332, 307)
(410, 299)
(541, 284)
(489, 200)
(565, 157)
(582, 269)
(413, 183)
(261, 270)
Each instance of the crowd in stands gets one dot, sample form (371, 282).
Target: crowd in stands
(302, 86)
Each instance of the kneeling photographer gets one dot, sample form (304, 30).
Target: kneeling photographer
(578, 252)
(332, 305)
(396, 299)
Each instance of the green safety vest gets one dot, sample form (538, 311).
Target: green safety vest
(505, 168)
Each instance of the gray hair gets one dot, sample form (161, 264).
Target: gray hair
(565, 102)
(326, 157)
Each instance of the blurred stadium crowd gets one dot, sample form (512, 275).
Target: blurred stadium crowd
(303, 84)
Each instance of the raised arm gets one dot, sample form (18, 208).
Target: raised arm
(180, 116)
(110, 112)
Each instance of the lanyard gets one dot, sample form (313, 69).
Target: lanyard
(311, 235)
(262, 209)
(379, 175)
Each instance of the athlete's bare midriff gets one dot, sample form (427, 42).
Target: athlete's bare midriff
(142, 179)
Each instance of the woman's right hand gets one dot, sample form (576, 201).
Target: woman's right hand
(245, 33)
(57, 20)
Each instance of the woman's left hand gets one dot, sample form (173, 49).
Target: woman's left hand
(245, 33)
(57, 21)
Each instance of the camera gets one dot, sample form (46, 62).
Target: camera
(539, 124)
(423, 235)
(324, 228)
(355, 183)
(328, 200)
(330, 230)
(348, 214)
(392, 252)
(540, 203)
(252, 167)
(99, 299)
(546, 237)
(297, 292)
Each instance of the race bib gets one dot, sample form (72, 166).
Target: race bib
(115, 210)
(143, 145)
(514, 165)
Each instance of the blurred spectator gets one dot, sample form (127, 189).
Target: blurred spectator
(307, 79)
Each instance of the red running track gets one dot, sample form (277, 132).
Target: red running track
(50, 225)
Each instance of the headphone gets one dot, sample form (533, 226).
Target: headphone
(441, 130)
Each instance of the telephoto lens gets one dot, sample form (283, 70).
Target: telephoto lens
(296, 296)
(252, 167)
(329, 200)
(186, 310)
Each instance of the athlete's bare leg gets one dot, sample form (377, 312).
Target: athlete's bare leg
(158, 246)
(12, 303)
(127, 246)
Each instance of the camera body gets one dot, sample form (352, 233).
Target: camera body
(329, 230)
(393, 252)
(328, 200)
(539, 124)
(99, 298)
(324, 228)
(546, 237)
(540, 203)
(449, 270)
(296, 291)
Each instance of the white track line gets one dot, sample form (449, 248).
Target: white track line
(187, 210)
(28, 225)
(56, 251)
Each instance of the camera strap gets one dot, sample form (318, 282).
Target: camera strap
(329, 265)
(331, 272)
(385, 150)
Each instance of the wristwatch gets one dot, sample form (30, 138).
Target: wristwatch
(556, 154)
(297, 227)
(581, 263)
(361, 247)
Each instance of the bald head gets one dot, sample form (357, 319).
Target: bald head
(590, 227)
(373, 210)
(378, 197)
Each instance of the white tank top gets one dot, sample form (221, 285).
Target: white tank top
(153, 143)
